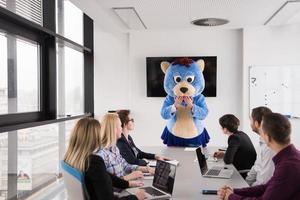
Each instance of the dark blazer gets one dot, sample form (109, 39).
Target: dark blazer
(240, 151)
(99, 183)
(131, 153)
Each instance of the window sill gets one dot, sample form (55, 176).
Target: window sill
(41, 123)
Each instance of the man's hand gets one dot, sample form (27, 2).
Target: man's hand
(229, 191)
(219, 154)
(221, 193)
(224, 192)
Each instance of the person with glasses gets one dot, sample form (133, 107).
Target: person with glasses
(129, 151)
(81, 155)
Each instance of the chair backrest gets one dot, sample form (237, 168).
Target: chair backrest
(74, 182)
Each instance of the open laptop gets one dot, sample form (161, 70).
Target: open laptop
(215, 171)
(163, 182)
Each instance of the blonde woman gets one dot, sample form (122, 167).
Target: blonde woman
(115, 164)
(84, 142)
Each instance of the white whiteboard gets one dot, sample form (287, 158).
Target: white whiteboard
(277, 87)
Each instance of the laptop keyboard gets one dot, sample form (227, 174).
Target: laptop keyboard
(152, 191)
(213, 172)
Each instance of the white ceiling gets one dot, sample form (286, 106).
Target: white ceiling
(177, 14)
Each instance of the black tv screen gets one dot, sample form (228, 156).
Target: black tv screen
(155, 76)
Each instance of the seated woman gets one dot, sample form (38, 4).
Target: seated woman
(240, 151)
(284, 184)
(128, 150)
(111, 131)
(84, 142)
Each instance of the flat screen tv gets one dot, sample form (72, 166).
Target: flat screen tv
(155, 76)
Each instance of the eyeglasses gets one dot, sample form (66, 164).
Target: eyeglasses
(131, 120)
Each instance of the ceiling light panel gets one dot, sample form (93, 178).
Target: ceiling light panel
(287, 13)
(130, 17)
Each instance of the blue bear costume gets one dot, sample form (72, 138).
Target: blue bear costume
(184, 79)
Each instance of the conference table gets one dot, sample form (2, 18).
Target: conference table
(189, 182)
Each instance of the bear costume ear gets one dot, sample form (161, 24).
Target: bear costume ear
(201, 64)
(164, 65)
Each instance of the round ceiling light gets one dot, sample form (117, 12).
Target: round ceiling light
(210, 22)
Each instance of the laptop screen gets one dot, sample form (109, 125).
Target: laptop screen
(202, 161)
(164, 176)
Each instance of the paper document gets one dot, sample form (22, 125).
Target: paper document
(190, 148)
(173, 162)
(152, 163)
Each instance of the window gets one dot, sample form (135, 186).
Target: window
(19, 84)
(70, 83)
(27, 76)
(3, 165)
(69, 21)
(3, 75)
(74, 81)
(43, 73)
(70, 62)
(37, 157)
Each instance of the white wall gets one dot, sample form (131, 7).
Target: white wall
(110, 57)
(111, 74)
(226, 45)
(270, 46)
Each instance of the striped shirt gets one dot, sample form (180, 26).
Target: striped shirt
(115, 163)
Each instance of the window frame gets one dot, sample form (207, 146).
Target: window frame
(47, 38)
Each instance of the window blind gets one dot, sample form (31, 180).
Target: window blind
(3, 3)
(29, 9)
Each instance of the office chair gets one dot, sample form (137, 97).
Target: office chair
(74, 183)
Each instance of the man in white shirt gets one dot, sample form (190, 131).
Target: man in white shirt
(263, 168)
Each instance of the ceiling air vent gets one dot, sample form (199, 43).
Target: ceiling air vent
(210, 22)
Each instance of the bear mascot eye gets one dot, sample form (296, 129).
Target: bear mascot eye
(190, 79)
(177, 79)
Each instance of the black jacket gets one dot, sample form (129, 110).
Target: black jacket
(240, 151)
(127, 151)
(99, 183)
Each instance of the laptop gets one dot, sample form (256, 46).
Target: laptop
(215, 171)
(163, 182)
